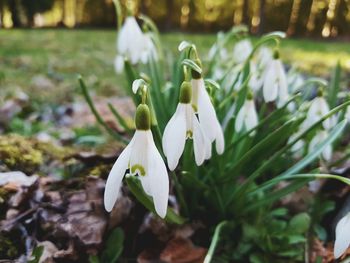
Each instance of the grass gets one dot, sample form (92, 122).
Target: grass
(60, 55)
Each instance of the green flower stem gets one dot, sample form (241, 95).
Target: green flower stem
(216, 237)
(179, 191)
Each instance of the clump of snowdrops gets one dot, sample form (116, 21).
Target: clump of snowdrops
(229, 133)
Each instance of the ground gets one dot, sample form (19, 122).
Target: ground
(52, 59)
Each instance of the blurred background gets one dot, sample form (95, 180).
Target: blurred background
(316, 18)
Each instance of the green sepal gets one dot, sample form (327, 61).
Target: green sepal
(143, 117)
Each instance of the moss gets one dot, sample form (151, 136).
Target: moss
(18, 153)
(52, 152)
(8, 248)
(100, 170)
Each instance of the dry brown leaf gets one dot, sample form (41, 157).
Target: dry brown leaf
(181, 250)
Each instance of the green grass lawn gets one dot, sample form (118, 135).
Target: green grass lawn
(60, 55)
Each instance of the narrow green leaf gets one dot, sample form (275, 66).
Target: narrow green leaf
(114, 246)
(136, 188)
(36, 254)
(98, 117)
(336, 131)
(120, 118)
(334, 86)
(275, 136)
(93, 259)
(208, 258)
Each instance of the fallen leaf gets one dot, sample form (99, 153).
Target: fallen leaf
(181, 250)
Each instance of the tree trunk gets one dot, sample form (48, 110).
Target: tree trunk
(13, 5)
(262, 17)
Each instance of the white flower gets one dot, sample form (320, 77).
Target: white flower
(141, 158)
(133, 44)
(347, 114)
(319, 138)
(183, 125)
(342, 236)
(207, 115)
(265, 56)
(318, 109)
(295, 80)
(247, 117)
(242, 50)
(257, 77)
(275, 83)
(297, 148)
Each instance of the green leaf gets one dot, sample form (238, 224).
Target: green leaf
(192, 65)
(296, 239)
(208, 258)
(93, 259)
(267, 143)
(98, 117)
(114, 246)
(300, 223)
(120, 118)
(136, 188)
(212, 83)
(36, 254)
(336, 131)
(334, 86)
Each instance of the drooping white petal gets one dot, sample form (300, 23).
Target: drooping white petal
(219, 140)
(139, 158)
(115, 178)
(199, 142)
(270, 87)
(242, 50)
(282, 84)
(252, 117)
(158, 179)
(174, 136)
(342, 236)
(316, 140)
(207, 115)
(208, 148)
(118, 64)
(206, 111)
(319, 108)
(240, 118)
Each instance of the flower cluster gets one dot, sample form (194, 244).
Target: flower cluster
(264, 119)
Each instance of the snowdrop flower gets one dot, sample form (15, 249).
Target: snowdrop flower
(132, 44)
(140, 158)
(342, 236)
(275, 83)
(257, 77)
(347, 114)
(265, 56)
(242, 50)
(318, 109)
(183, 125)
(319, 138)
(297, 148)
(247, 117)
(206, 112)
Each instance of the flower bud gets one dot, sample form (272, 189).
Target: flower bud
(142, 118)
(276, 54)
(320, 92)
(185, 92)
